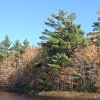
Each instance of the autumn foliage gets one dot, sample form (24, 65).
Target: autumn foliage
(16, 70)
(65, 60)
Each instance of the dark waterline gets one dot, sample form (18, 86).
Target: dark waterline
(20, 96)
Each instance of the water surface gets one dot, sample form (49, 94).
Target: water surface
(20, 96)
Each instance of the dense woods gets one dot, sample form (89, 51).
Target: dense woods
(64, 60)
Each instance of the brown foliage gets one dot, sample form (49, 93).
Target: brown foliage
(17, 71)
(98, 71)
(85, 59)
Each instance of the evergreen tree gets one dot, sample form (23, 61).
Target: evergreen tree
(62, 39)
(95, 35)
(1, 52)
(17, 46)
(5, 48)
(25, 44)
(96, 24)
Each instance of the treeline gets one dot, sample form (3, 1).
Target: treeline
(14, 61)
(65, 60)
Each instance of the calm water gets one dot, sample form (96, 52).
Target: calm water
(16, 96)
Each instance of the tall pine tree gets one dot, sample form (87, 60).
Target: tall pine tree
(95, 35)
(96, 24)
(61, 39)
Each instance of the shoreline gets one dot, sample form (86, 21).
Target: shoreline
(65, 94)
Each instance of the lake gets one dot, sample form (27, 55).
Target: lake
(20, 96)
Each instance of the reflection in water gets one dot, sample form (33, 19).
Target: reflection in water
(16, 96)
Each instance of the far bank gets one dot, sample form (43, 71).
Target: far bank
(64, 94)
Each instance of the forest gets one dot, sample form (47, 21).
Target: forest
(64, 60)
